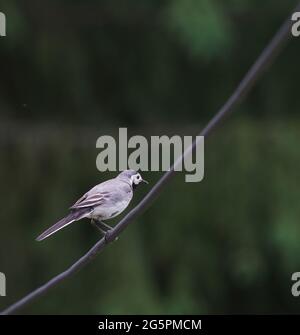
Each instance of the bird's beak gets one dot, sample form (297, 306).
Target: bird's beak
(145, 181)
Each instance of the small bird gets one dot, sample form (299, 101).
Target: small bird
(104, 201)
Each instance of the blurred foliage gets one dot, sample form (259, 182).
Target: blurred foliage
(74, 70)
(192, 17)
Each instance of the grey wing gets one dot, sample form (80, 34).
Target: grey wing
(91, 199)
(104, 194)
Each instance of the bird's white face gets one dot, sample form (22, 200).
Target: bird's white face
(136, 179)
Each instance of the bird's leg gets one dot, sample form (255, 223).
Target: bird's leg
(104, 225)
(97, 225)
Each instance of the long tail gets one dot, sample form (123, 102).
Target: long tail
(73, 216)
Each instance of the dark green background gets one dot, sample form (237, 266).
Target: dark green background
(72, 71)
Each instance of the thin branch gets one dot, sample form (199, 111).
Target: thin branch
(255, 72)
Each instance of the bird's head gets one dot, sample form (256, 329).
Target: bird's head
(133, 177)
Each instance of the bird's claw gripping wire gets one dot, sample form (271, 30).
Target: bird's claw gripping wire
(103, 228)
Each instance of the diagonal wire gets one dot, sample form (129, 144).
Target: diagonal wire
(258, 68)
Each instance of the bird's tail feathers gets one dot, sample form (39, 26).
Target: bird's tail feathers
(73, 216)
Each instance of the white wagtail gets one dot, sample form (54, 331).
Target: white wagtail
(102, 202)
